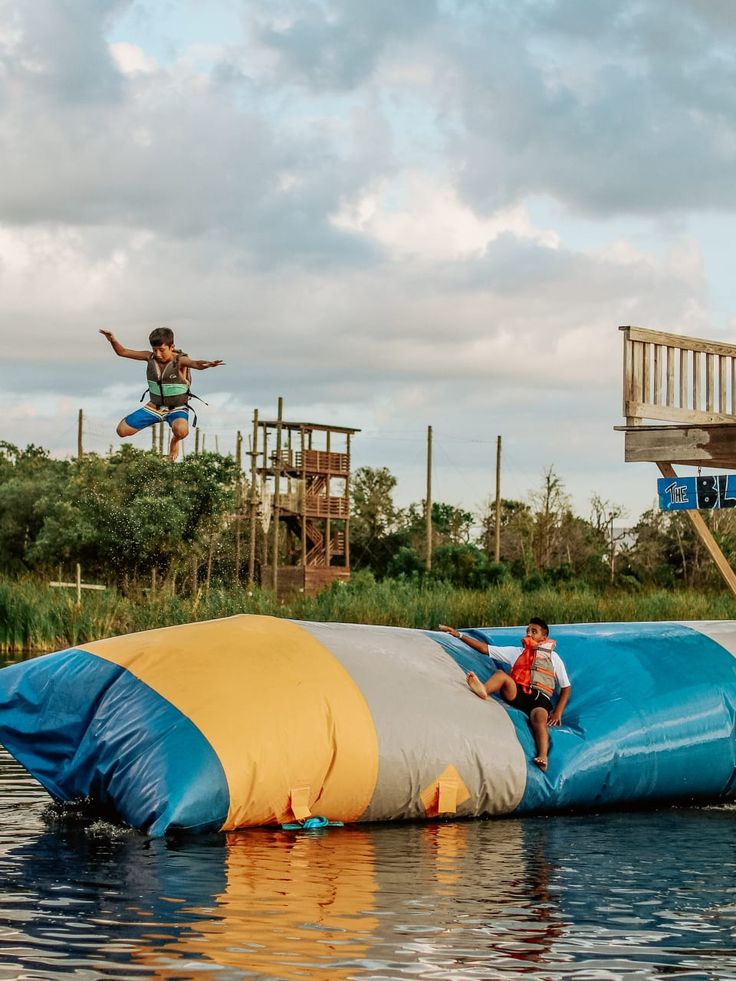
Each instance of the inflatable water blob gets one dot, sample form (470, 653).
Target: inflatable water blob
(253, 720)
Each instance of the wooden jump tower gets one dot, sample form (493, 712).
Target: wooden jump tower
(689, 384)
(303, 469)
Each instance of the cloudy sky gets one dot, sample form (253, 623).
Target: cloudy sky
(393, 214)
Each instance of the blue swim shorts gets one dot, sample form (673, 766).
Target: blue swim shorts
(145, 416)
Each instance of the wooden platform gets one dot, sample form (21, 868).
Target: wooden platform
(691, 445)
(309, 580)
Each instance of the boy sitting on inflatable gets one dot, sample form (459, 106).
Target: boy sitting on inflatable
(536, 671)
(168, 375)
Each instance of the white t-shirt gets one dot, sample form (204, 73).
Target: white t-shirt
(511, 654)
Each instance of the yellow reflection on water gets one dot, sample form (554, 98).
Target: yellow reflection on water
(291, 900)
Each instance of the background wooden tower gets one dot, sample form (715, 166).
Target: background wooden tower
(303, 469)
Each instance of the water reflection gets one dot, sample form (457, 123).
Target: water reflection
(637, 895)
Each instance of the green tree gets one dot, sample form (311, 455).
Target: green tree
(517, 534)
(668, 552)
(450, 525)
(28, 479)
(375, 536)
(466, 566)
(133, 512)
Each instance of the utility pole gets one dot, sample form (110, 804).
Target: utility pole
(428, 511)
(80, 426)
(276, 492)
(612, 550)
(497, 548)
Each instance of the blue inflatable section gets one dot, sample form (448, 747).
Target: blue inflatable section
(87, 739)
(652, 715)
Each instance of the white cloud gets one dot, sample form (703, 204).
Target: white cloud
(429, 221)
(130, 59)
(337, 204)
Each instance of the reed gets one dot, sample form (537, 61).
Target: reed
(35, 618)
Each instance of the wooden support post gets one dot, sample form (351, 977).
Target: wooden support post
(276, 492)
(79, 586)
(196, 441)
(161, 438)
(428, 509)
(706, 536)
(253, 516)
(80, 427)
(302, 447)
(348, 492)
(238, 522)
(497, 543)
(210, 553)
(328, 491)
(264, 537)
(238, 501)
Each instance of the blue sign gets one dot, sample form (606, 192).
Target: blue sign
(697, 493)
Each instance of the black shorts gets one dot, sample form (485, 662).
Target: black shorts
(532, 700)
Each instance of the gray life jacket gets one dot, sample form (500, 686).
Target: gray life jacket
(167, 385)
(543, 671)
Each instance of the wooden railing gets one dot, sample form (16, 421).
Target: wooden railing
(312, 461)
(315, 506)
(326, 507)
(319, 461)
(671, 378)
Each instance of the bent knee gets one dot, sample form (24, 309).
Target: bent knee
(124, 429)
(180, 429)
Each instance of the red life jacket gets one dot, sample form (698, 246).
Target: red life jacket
(534, 670)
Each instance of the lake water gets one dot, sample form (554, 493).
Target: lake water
(645, 894)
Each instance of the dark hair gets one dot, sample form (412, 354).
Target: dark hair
(161, 335)
(541, 623)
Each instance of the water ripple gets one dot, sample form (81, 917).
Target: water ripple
(607, 896)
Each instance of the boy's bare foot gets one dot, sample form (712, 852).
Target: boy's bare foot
(476, 685)
(541, 762)
(174, 451)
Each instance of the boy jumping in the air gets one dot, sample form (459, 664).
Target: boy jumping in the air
(168, 385)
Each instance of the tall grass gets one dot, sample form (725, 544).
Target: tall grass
(34, 617)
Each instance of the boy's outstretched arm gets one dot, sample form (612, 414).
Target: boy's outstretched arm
(198, 365)
(477, 645)
(124, 352)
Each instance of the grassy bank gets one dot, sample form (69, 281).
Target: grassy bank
(36, 618)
